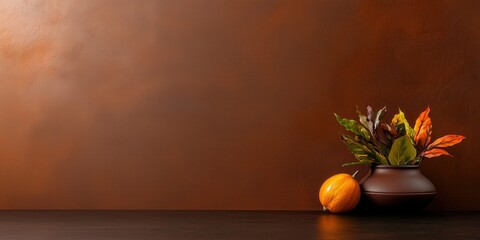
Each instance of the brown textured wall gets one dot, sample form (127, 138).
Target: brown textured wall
(222, 104)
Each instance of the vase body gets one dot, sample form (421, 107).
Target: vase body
(398, 188)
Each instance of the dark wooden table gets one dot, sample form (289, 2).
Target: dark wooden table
(235, 225)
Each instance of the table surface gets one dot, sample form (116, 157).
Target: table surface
(236, 225)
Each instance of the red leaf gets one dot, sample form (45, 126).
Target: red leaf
(446, 141)
(423, 128)
(435, 153)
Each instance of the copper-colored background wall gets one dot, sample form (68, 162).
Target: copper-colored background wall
(223, 104)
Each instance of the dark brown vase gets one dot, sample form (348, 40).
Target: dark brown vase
(397, 188)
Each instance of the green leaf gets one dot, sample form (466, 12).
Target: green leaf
(363, 151)
(401, 131)
(354, 127)
(380, 158)
(402, 151)
(400, 119)
(384, 150)
(358, 150)
(356, 163)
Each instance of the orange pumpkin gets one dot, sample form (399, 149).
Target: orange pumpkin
(340, 193)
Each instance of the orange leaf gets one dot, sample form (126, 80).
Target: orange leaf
(423, 128)
(446, 141)
(435, 153)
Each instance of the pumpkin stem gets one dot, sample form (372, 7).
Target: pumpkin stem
(354, 174)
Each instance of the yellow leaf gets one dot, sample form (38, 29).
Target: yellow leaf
(399, 118)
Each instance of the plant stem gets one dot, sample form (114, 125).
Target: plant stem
(354, 174)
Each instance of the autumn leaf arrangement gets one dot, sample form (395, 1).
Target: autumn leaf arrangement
(377, 142)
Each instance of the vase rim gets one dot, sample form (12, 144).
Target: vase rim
(396, 166)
